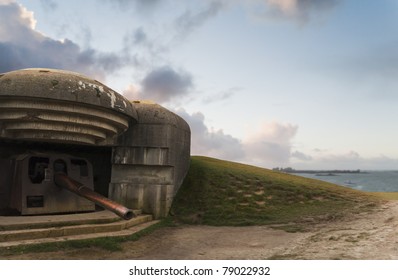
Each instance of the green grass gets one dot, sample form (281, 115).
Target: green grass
(217, 192)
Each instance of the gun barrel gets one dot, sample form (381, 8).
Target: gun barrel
(64, 181)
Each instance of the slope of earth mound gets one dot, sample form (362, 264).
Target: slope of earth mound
(217, 192)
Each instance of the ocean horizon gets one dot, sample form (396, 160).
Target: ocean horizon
(367, 180)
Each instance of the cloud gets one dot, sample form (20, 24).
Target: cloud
(143, 6)
(300, 10)
(133, 92)
(49, 5)
(325, 160)
(146, 49)
(271, 144)
(16, 22)
(210, 142)
(161, 85)
(381, 162)
(127, 3)
(301, 156)
(186, 23)
(347, 160)
(164, 84)
(221, 96)
(21, 46)
(139, 36)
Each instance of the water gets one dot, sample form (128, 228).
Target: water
(373, 181)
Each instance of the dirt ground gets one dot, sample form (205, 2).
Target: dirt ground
(363, 236)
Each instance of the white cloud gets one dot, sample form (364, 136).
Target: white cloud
(133, 92)
(271, 144)
(21, 46)
(210, 142)
(297, 10)
(286, 6)
(17, 24)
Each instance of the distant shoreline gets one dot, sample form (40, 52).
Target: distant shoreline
(321, 172)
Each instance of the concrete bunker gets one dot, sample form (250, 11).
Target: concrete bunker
(134, 153)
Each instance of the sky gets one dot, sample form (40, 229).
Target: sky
(308, 84)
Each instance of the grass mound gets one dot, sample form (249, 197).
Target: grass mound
(217, 192)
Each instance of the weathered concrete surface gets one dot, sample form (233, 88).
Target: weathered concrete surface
(24, 230)
(63, 85)
(60, 106)
(152, 160)
(140, 151)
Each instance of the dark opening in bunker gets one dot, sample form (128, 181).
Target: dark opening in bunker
(60, 167)
(34, 201)
(37, 169)
(40, 169)
(83, 166)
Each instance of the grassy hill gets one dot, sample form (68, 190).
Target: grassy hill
(217, 192)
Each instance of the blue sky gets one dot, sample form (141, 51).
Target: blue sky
(301, 83)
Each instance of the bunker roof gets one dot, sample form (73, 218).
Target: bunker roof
(63, 85)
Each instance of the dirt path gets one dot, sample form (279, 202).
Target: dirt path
(365, 236)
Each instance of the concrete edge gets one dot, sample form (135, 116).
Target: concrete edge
(125, 232)
(45, 221)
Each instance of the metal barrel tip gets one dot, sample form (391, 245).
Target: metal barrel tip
(129, 215)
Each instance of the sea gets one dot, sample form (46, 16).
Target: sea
(371, 181)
